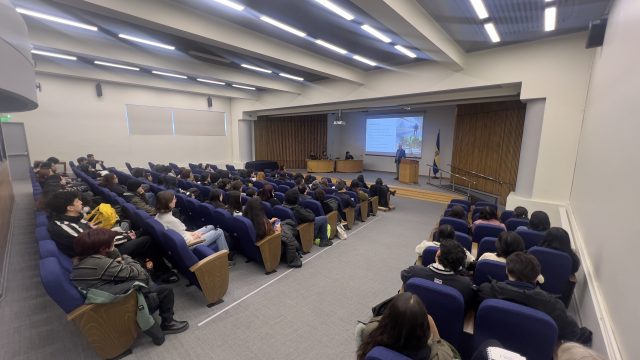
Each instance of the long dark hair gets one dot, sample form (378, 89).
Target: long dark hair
(404, 327)
(539, 221)
(234, 201)
(558, 238)
(255, 212)
(266, 193)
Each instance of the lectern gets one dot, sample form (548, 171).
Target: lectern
(409, 171)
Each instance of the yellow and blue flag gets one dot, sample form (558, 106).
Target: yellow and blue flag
(436, 158)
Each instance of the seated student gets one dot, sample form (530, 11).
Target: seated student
(216, 199)
(405, 327)
(234, 202)
(442, 233)
(223, 184)
(303, 215)
(355, 186)
(251, 192)
(328, 204)
(110, 181)
(171, 183)
(207, 235)
(100, 266)
(236, 185)
(557, 238)
(44, 171)
(186, 175)
(522, 270)
(539, 222)
(447, 270)
(360, 179)
(263, 226)
(93, 162)
(382, 191)
(348, 156)
(324, 155)
(521, 212)
(83, 165)
(488, 215)
(302, 189)
(346, 200)
(205, 179)
(574, 351)
(136, 196)
(508, 242)
(67, 222)
(313, 156)
(267, 194)
(309, 179)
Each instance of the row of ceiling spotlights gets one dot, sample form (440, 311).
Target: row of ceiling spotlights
(482, 13)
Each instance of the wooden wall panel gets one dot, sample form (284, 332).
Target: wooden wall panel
(487, 140)
(290, 139)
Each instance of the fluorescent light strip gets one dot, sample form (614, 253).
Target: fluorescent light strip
(336, 9)
(331, 46)
(282, 26)
(61, 56)
(56, 19)
(243, 87)
(169, 74)
(256, 68)
(291, 77)
(231, 4)
(211, 81)
(550, 18)
(491, 30)
(148, 42)
(375, 33)
(116, 65)
(405, 51)
(364, 60)
(480, 9)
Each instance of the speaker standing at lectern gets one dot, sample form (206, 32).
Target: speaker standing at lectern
(400, 154)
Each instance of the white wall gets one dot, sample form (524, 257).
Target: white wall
(72, 121)
(352, 137)
(605, 196)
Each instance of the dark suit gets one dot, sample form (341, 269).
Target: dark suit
(400, 154)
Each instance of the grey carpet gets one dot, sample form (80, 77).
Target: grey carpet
(305, 313)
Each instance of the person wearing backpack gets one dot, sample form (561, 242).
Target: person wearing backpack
(67, 222)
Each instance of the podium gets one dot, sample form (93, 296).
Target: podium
(409, 171)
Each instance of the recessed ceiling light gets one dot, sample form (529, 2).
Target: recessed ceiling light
(256, 68)
(169, 74)
(550, 18)
(231, 4)
(491, 30)
(364, 60)
(405, 51)
(148, 42)
(331, 46)
(282, 26)
(480, 9)
(56, 19)
(116, 65)
(336, 9)
(211, 81)
(291, 77)
(209, 56)
(243, 87)
(375, 33)
(56, 55)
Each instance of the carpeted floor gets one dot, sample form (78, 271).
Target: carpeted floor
(305, 313)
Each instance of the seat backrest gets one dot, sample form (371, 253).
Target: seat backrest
(245, 238)
(512, 224)
(481, 231)
(230, 167)
(181, 254)
(529, 332)
(481, 204)
(445, 305)
(57, 284)
(283, 188)
(129, 167)
(464, 240)
(429, 255)
(48, 248)
(244, 199)
(461, 201)
(283, 213)
(506, 215)
(353, 196)
(314, 206)
(531, 237)
(486, 270)
(383, 353)
(268, 209)
(555, 266)
(290, 184)
(487, 244)
(279, 196)
(42, 233)
(458, 224)
(465, 207)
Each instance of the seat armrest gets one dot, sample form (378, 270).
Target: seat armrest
(212, 273)
(270, 247)
(306, 232)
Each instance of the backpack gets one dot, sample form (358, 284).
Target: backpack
(104, 216)
(333, 203)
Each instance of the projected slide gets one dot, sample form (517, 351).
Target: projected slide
(385, 133)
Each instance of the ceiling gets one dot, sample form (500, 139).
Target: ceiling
(212, 41)
(516, 20)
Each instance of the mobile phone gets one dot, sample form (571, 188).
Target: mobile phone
(277, 223)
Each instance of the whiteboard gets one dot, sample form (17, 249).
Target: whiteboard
(199, 122)
(149, 120)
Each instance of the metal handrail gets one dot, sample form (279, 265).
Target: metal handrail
(453, 184)
(480, 175)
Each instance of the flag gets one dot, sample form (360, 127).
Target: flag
(436, 157)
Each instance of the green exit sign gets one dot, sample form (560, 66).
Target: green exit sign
(5, 117)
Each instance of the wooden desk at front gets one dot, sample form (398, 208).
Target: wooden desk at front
(323, 166)
(349, 166)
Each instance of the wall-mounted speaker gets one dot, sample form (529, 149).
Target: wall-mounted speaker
(99, 90)
(209, 101)
(597, 29)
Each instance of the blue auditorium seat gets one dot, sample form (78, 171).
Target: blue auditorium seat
(429, 255)
(263, 251)
(555, 266)
(481, 231)
(531, 237)
(487, 244)
(487, 270)
(383, 353)
(458, 224)
(513, 223)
